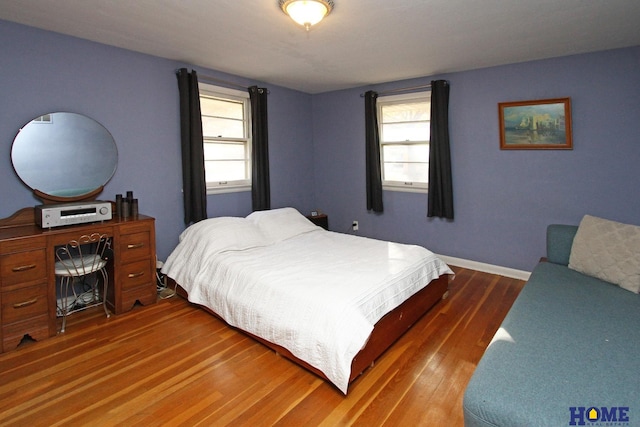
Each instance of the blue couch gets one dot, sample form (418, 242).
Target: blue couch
(567, 353)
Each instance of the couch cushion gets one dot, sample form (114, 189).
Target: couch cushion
(608, 250)
(559, 242)
(569, 340)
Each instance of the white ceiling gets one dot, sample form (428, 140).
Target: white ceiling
(361, 42)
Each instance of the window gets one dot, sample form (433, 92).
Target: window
(404, 122)
(226, 131)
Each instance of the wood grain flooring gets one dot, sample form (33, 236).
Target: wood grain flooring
(173, 364)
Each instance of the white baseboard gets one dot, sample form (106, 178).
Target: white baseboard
(486, 268)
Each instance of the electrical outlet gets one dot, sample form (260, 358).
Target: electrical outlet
(354, 225)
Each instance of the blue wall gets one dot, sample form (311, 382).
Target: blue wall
(503, 199)
(135, 97)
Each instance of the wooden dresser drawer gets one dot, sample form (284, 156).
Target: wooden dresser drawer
(135, 245)
(135, 274)
(146, 295)
(24, 303)
(22, 245)
(37, 327)
(23, 267)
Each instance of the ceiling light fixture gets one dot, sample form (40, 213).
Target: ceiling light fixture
(307, 12)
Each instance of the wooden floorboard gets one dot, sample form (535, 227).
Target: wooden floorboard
(174, 364)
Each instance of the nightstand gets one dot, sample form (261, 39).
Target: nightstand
(321, 220)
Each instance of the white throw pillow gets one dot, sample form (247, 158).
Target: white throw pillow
(225, 233)
(608, 250)
(283, 223)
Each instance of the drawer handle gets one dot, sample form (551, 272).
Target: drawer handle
(25, 303)
(132, 275)
(135, 246)
(23, 268)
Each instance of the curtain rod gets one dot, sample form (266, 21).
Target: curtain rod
(220, 81)
(402, 89)
(216, 80)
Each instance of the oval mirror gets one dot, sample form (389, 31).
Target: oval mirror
(64, 155)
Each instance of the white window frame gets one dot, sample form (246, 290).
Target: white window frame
(230, 186)
(408, 186)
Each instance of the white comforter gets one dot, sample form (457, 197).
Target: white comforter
(316, 293)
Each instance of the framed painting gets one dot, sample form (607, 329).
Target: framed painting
(543, 124)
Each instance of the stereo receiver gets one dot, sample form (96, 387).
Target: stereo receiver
(48, 216)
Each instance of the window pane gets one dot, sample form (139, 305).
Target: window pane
(215, 127)
(217, 171)
(405, 153)
(404, 122)
(406, 172)
(412, 131)
(226, 136)
(221, 108)
(221, 151)
(408, 112)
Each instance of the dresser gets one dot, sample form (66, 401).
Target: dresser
(28, 282)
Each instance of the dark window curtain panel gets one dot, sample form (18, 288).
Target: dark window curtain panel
(194, 185)
(372, 140)
(440, 182)
(260, 189)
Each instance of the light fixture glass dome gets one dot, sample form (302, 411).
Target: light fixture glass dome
(306, 12)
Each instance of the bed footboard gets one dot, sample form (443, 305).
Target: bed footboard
(395, 323)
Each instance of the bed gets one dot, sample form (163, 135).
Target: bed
(330, 301)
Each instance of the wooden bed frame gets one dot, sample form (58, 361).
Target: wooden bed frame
(388, 329)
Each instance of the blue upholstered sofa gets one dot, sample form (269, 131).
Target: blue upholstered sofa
(567, 353)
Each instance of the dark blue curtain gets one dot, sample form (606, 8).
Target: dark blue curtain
(440, 181)
(194, 184)
(372, 141)
(260, 188)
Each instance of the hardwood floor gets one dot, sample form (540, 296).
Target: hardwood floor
(174, 364)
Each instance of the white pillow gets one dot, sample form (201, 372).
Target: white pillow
(281, 224)
(608, 250)
(225, 233)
